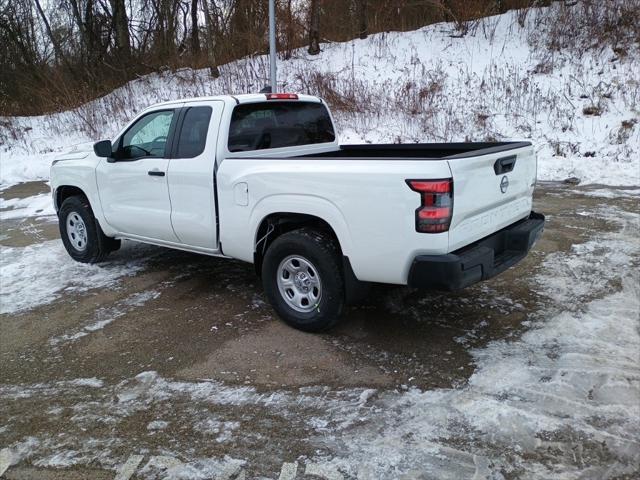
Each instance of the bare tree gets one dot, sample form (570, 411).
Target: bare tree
(164, 29)
(52, 38)
(289, 31)
(83, 14)
(361, 17)
(195, 38)
(314, 27)
(211, 20)
(120, 23)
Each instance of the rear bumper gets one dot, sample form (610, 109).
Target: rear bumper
(479, 261)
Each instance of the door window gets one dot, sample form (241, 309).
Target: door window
(148, 136)
(193, 134)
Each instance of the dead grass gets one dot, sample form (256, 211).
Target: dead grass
(426, 103)
(583, 25)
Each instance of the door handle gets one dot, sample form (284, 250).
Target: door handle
(156, 173)
(505, 164)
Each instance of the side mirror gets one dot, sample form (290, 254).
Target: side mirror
(103, 148)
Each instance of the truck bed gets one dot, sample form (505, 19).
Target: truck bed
(423, 151)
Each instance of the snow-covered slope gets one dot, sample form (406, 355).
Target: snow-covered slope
(499, 81)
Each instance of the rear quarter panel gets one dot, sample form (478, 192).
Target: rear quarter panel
(366, 202)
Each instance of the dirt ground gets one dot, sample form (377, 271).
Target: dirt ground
(185, 360)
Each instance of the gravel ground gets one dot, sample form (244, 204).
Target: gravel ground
(164, 364)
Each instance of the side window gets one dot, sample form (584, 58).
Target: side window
(148, 136)
(193, 134)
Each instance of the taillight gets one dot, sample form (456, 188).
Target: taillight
(282, 96)
(434, 213)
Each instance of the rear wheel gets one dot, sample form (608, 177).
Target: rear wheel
(303, 280)
(81, 234)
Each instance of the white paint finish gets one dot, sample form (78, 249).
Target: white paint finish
(190, 181)
(479, 206)
(241, 194)
(288, 471)
(80, 173)
(6, 460)
(365, 201)
(134, 202)
(128, 469)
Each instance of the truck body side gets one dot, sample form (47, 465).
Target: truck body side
(201, 187)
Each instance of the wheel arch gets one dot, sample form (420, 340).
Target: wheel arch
(66, 190)
(276, 224)
(63, 192)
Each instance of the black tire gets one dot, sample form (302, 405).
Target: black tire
(96, 245)
(323, 255)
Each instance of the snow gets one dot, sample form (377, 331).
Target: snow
(59, 460)
(575, 374)
(26, 275)
(611, 193)
(168, 468)
(157, 425)
(423, 85)
(87, 382)
(221, 430)
(35, 206)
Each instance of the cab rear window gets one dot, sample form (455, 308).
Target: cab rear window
(259, 126)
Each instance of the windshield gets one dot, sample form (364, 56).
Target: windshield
(258, 126)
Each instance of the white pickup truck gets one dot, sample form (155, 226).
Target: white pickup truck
(262, 178)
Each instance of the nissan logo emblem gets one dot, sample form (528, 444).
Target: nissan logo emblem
(504, 184)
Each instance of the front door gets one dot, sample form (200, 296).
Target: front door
(133, 184)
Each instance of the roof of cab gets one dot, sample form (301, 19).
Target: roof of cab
(238, 99)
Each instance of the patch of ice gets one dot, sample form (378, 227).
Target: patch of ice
(157, 425)
(20, 450)
(62, 459)
(27, 281)
(37, 205)
(106, 315)
(610, 192)
(169, 468)
(86, 382)
(566, 278)
(221, 430)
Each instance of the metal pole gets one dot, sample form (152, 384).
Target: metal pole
(272, 44)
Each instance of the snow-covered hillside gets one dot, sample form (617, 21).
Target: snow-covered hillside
(499, 81)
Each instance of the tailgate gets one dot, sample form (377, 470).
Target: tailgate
(490, 192)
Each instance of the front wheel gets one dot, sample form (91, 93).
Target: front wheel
(81, 234)
(303, 280)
